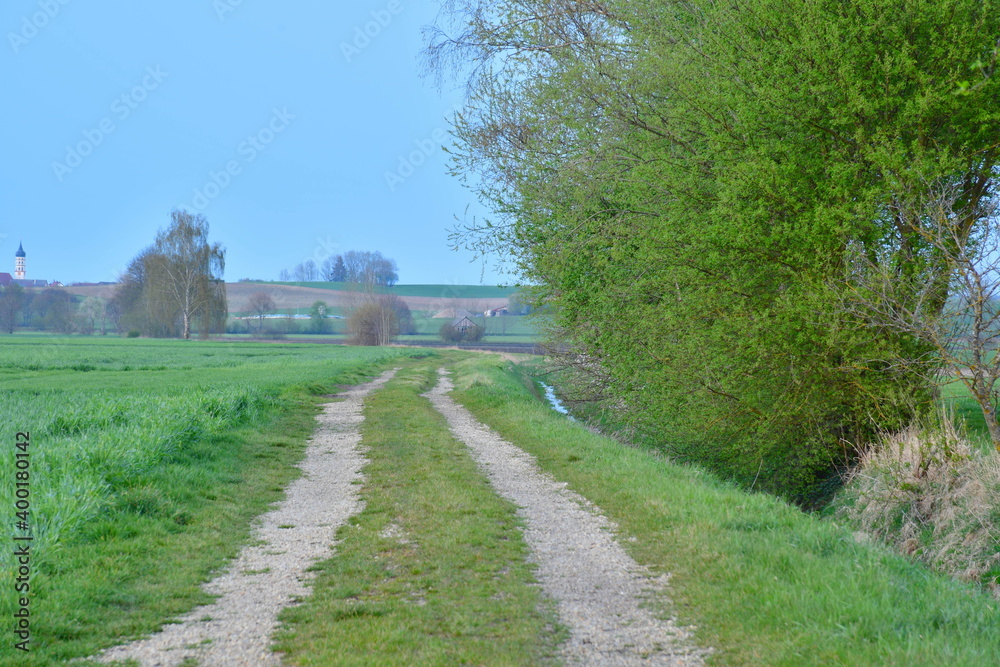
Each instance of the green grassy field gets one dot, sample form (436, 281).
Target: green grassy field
(957, 398)
(145, 453)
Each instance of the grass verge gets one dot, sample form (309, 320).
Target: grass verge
(144, 561)
(433, 570)
(762, 582)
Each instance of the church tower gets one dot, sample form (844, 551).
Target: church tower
(19, 262)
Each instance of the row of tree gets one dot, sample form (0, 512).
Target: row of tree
(711, 196)
(373, 319)
(52, 310)
(357, 267)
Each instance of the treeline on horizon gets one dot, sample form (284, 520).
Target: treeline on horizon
(359, 267)
(749, 219)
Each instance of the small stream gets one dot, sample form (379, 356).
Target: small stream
(550, 396)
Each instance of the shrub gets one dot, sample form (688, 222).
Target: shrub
(372, 323)
(932, 495)
(133, 333)
(452, 334)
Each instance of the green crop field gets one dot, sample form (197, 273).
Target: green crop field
(144, 452)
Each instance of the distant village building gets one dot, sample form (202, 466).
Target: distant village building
(21, 271)
(452, 313)
(464, 324)
(19, 261)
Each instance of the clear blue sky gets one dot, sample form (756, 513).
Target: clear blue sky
(116, 112)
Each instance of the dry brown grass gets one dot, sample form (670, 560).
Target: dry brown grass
(294, 296)
(934, 496)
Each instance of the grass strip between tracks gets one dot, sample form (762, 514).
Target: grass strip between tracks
(433, 570)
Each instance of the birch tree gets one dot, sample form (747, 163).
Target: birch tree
(963, 332)
(186, 271)
(176, 282)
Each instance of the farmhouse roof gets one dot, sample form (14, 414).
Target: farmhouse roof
(20, 251)
(452, 313)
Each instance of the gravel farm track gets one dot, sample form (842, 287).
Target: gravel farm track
(597, 589)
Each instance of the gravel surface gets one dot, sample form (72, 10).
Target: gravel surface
(597, 587)
(271, 574)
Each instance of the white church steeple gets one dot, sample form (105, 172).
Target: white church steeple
(19, 257)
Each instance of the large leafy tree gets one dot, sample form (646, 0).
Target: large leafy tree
(693, 184)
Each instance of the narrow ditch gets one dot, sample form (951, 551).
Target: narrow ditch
(598, 589)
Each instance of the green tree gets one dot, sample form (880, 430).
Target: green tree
(89, 313)
(690, 184)
(319, 315)
(53, 310)
(334, 269)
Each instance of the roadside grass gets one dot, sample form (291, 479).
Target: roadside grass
(145, 481)
(761, 582)
(932, 494)
(144, 561)
(433, 570)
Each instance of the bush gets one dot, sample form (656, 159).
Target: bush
(930, 494)
(373, 323)
(133, 333)
(452, 334)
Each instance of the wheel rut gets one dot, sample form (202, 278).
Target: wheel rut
(598, 588)
(270, 574)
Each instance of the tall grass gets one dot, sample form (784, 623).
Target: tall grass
(89, 449)
(933, 495)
